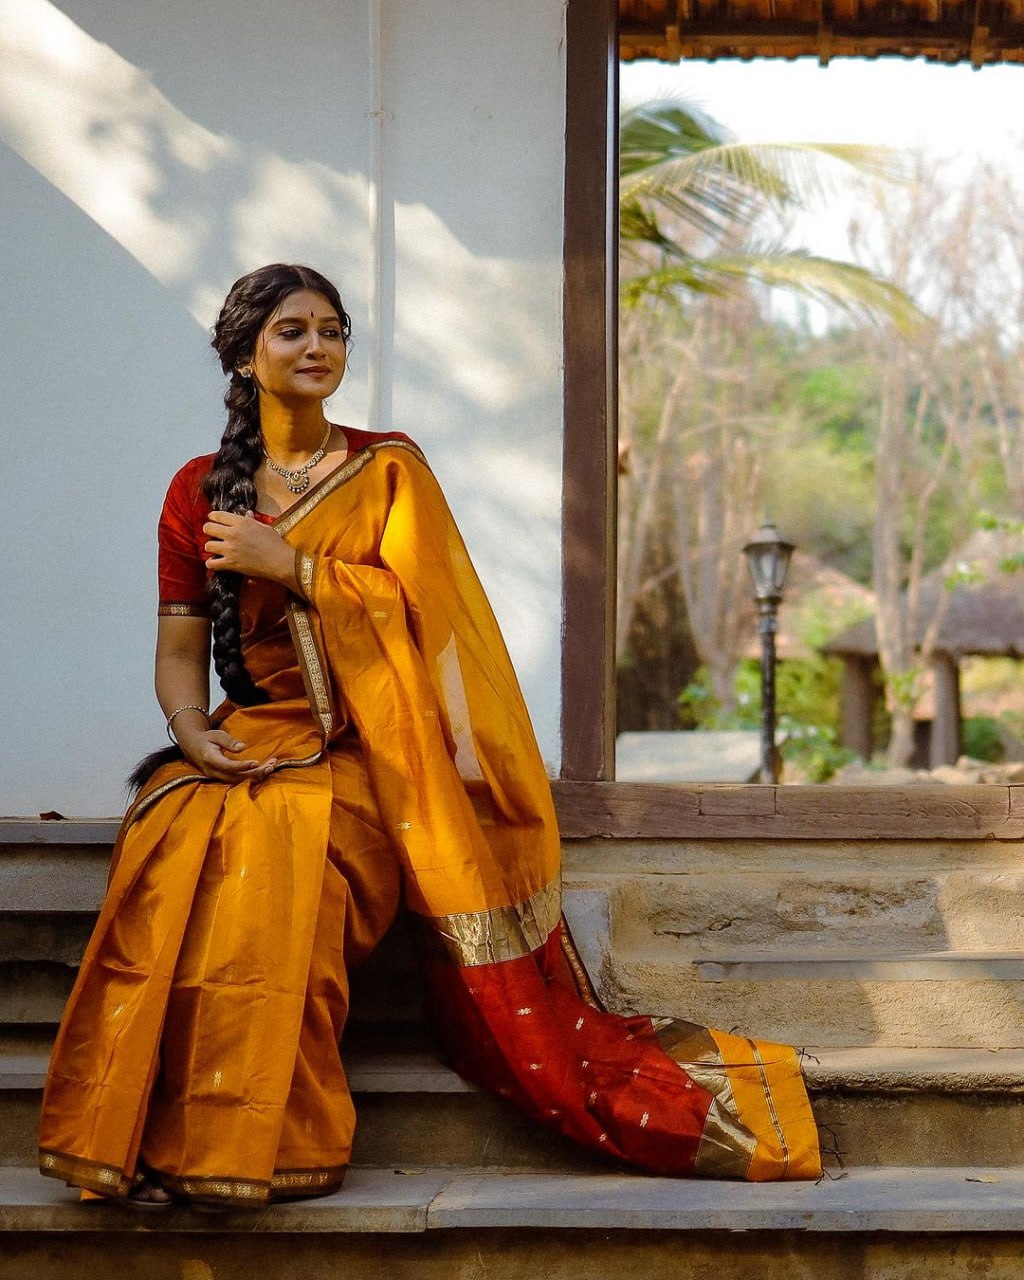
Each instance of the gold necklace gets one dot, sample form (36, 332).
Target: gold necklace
(297, 478)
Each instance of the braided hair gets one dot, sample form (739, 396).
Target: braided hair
(229, 485)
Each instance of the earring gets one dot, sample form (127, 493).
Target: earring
(246, 372)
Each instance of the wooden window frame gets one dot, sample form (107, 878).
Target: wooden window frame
(590, 337)
(590, 803)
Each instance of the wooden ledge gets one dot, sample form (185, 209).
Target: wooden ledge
(679, 811)
(637, 810)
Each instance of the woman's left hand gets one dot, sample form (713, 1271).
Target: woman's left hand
(245, 545)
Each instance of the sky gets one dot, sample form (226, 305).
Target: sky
(898, 102)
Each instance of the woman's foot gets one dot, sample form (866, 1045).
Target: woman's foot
(149, 1194)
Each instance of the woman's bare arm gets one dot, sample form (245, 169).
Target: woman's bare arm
(183, 680)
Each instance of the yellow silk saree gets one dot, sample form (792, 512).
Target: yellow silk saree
(201, 1039)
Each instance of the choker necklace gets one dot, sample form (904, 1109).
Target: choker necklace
(297, 479)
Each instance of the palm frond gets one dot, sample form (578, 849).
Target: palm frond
(662, 127)
(780, 173)
(852, 289)
(675, 159)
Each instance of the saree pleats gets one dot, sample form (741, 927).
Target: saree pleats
(201, 1038)
(245, 1098)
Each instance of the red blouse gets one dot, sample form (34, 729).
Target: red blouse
(183, 574)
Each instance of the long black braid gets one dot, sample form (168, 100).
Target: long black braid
(230, 486)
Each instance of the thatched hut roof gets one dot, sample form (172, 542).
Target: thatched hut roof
(982, 617)
(940, 30)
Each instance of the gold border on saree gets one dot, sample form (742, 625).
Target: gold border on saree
(110, 1180)
(313, 666)
(104, 1179)
(727, 1146)
(245, 1192)
(290, 518)
(472, 938)
(182, 609)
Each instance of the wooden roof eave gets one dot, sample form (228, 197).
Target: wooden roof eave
(671, 30)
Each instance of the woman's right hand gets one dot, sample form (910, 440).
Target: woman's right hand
(212, 752)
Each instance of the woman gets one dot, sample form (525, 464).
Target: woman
(373, 747)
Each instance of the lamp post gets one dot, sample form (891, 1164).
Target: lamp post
(768, 559)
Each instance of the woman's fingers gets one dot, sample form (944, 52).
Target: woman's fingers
(217, 529)
(217, 764)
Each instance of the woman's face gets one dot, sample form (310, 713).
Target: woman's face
(300, 351)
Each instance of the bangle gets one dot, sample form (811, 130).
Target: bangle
(189, 706)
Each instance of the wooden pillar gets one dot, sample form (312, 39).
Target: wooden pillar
(945, 745)
(858, 704)
(590, 335)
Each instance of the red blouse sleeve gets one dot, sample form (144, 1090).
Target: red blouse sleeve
(182, 570)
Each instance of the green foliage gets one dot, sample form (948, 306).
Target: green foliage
(834, 396)
(982, 739)
(807, 702)
(814, 750)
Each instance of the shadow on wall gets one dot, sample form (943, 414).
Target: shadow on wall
(475, 374)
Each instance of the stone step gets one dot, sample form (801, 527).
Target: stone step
(34, 991)
(967, 908)
(55, 878)
(39, 936)
(974, 1000)
(442, 1224)
(875, 1107)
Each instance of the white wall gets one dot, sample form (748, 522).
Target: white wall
(149, 154)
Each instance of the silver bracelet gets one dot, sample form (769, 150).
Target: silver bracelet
(189, 706)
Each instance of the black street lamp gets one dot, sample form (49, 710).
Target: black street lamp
(768, 559)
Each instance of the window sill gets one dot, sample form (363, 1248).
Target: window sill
(637, 810)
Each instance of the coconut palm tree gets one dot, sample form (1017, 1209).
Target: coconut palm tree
(691, 198)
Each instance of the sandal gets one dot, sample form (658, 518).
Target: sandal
(149, 1194)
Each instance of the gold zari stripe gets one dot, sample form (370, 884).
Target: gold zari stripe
(242, 1191)
(314, 670)
(84, 1173)
(304, 568)
(473, 938)
(727, 1146)
(780, 1133)
(150, 798)
(355, 464)
(174, 609)
(108, 1180)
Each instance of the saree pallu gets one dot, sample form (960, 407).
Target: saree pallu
(201, 1037)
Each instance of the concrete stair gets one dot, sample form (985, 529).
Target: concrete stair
(844, 943)
(901, 966)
